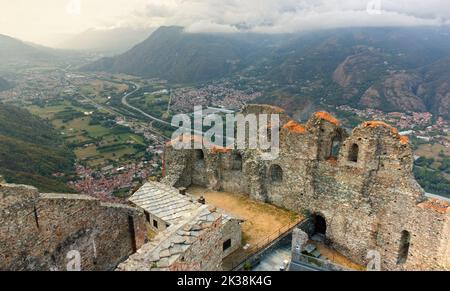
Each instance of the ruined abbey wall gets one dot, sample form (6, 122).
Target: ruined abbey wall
(366, 191)
(193, 244)
(39, 230)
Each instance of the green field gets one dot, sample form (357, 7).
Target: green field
(154, 104)
(100, 90)
(95, 142)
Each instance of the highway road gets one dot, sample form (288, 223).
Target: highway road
(113, 111)
(125, 102)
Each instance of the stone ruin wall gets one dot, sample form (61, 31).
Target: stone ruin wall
(193, 244)
(39, 230)
(231, 230)
(367, 204)
(205, 253)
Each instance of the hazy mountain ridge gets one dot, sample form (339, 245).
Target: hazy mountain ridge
(384, 68)
(435, 88)
(12, 49)
(15, 54)
(108, 41)
(170, 53)
(424, 89)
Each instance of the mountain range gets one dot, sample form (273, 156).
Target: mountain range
(393, 69)
(14, 50)
(16, 54)
(172, 54)
(106, 41)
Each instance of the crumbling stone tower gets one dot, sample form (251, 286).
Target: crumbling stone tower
(358, 189)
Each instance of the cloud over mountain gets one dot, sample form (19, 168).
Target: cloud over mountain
(54, 17)
(290, 15)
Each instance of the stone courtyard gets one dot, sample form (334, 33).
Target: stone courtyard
(261, 220)
(262, 223)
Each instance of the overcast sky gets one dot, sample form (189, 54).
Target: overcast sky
(43, 20)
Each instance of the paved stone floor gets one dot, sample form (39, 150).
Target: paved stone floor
(275, 259)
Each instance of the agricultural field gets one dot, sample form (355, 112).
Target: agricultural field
(94, 136)
(432, 169)
(433, 150)
(155, 104)
(101, 91)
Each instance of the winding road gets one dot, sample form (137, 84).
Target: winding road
(125, 103)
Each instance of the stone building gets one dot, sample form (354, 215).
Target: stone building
(191, 244)
(166, 208)
(358, 188)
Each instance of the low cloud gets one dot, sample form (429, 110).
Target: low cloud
(51, 18)
(281, 16)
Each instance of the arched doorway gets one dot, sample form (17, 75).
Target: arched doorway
(320, 225)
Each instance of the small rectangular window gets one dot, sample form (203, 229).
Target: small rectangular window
(147, 216)
(155, 224)
(227, 245)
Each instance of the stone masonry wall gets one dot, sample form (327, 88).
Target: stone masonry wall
(39, 230)
(194, 244)
(231, 230)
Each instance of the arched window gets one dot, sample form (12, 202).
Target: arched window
(237, 162)
(276, 174)
(199, 156)
(353, 153)
(405, 243)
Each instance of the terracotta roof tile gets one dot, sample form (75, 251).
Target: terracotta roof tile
(221, 150)
(436, 205)
(328, 117)
(374, 124)
(295, 127)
